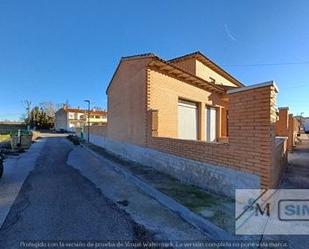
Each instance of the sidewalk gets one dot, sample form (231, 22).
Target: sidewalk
(217, 209)
(297, 175)
(165, 224)
(135, 187)
(16, 170)
(211, 207)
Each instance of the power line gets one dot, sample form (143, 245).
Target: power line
(296, 86)
(266, 64)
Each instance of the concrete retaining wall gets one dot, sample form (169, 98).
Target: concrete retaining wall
(218, 179)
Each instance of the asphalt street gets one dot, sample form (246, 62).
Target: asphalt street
(56, 203)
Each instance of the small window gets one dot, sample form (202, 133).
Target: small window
(212, 80)
(210, 123)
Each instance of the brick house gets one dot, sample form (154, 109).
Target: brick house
(191, 119)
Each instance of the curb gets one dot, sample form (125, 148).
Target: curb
(206, 227)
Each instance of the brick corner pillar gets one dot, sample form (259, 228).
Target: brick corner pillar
(252, 118)
(291, 135)
(151, 126)
(282, 124)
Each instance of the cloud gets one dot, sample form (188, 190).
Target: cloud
(229, 33)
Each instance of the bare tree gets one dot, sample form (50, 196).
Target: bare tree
(49, 108)
(27, 103)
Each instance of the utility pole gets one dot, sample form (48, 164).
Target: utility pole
(88, 101)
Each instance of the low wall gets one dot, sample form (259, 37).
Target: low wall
(222, 180)
(280, 160)
(287, 126)
(9, 127)
(100, 130)
(252, 117)
(213, 153)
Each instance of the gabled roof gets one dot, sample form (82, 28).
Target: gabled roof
(209, 63)
(132, 57)
(172, 70)
(176, 72)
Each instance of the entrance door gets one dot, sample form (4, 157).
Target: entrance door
(210, 123)
(187, 120)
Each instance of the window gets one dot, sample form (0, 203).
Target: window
(212, 80)
(227, 123)
(97, 116)
(210, 123)
(187, 120)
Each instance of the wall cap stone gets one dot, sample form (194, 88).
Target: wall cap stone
(259, 85)
(283, 108)
(282, 137)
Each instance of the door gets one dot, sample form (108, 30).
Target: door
(211, 124)
(187, 120)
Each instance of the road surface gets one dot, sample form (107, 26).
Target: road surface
(57, 203)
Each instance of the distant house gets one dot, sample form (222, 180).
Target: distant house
(68, 119)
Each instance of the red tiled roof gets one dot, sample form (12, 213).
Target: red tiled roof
(76, 110)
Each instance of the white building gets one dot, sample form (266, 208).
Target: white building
(68, 119)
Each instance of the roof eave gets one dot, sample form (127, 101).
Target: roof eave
(177, 72)
(203, 59)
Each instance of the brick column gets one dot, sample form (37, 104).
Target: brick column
(252, 117)
(219, 122)
(291, 136)
(201, 121)
(282, 124)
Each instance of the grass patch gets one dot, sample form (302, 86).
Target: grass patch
(191, 196)
(4, 138)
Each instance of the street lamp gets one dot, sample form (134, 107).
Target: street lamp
(88, 101)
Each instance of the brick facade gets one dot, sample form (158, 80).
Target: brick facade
(142, 110)
(161, 95)
(127, 102)
(252, 117)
